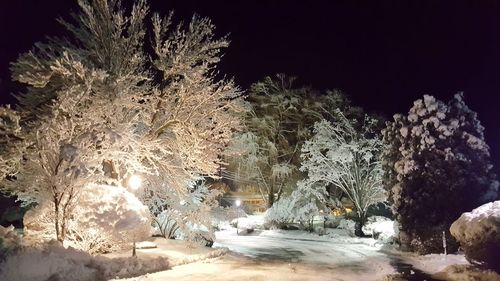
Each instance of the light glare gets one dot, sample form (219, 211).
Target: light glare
(134, 182)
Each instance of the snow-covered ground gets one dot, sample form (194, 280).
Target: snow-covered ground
(284, 255)
(335, 249)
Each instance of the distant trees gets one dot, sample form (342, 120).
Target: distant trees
(346, 156)
(267, 155)
(98, 109)
(436, 166)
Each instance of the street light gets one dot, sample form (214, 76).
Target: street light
(238, 203)
(134, 182)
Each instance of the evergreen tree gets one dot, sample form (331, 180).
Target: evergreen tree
(436, 166)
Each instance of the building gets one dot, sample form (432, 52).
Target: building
(252, 201)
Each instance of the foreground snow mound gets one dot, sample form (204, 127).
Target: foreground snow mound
(54, 262)
(479, 234)
(380, 228)
(467, 273)
(9, 241)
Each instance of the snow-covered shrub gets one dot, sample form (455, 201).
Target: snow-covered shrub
(436, 166)
(478, 233)
(281, 213)
(380, 228)
(348, 225)
(10, 241)
(106, 218)
(250, 222)
(165, 224)
(183, 217)
(300, 206)
(51, 261)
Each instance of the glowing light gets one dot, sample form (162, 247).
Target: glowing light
(134, 182)
(238, 202)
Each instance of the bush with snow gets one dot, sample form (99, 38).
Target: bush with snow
(348, 225)
(54, 262)
(478, 232)
(380, 228)
(107, 218)
(9, 241)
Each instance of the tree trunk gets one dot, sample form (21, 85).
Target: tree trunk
(270, 197)
(56, 219)
(359, 225)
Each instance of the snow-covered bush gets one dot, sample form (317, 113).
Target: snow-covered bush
(165, 224)
(281, 213)
(301, 206)
(348, 225)
(436, 166)
(478, 233)
(180, 216)
(10, 241)
(107, 218)
(380, 228)
(53, 262)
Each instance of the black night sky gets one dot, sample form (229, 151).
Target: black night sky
(383, 54)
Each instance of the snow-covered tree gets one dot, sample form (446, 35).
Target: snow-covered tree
(267, 155)
(436, 166)
(98, 108)
(9, 129)
(347, 158)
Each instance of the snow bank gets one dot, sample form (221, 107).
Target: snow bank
(478, 232)
(434, 263)
(54, 262)
(467, 273)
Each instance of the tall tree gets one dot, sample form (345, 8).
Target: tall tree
(436, 166)
(118, 110)
(346, 157)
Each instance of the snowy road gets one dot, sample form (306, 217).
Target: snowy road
(293, 256)
(279, 255)
(299, 246)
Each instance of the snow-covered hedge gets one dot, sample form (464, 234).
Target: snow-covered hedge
(478, 232)
(54, 262)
